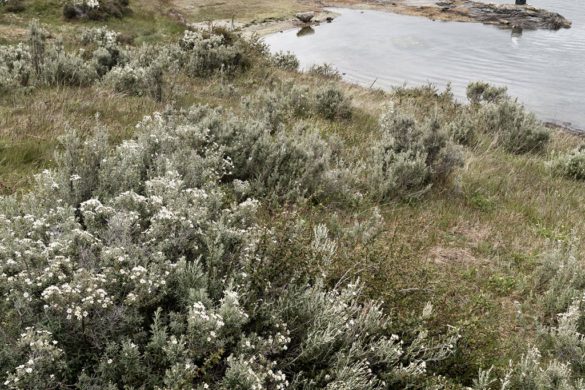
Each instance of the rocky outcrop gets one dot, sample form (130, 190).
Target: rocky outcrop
(305, 17)
(505, 15)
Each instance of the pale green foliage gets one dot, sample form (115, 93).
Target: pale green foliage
(108, 53)
(95, 9)
(462, 130)
(563, 275)
(559, 360)
(209, 52)
(326, 71)
(277, 106)
(493, 112)
(63, 68)
(570, 165)
(517, 130)
(564, 340)
(284, 165)
(480, 92)
(409, 156)
(137, 268)
(15, 67)
(331, 103)
(286, 61)
(142, 71)
(532, 372)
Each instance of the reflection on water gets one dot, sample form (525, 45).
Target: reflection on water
(517, 32)
(543, 68)
(307, 30)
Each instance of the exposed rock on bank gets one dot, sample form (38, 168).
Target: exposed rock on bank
(502, 15)
(506, 15)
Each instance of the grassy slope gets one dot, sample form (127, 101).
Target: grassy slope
(470, 251)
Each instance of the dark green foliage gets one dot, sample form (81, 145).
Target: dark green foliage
(14, 6)
(96, 9)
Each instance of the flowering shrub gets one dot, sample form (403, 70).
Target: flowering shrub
(143, 71)
(95, 9)
(145, 267)
(558, 360)
(212, 52)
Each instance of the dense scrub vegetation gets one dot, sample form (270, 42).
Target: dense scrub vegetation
(241, 245)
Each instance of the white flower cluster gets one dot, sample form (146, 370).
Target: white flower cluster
(88, 3)
(101, 36)
(79, 298)
(42, 361)
(146, 257)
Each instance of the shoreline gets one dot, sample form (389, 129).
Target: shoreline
(423, 8)
(505, 16)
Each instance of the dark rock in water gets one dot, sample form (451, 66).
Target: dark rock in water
(517, 31)
(305, 17)
(520, 2)
(329, 19)
(307, 30)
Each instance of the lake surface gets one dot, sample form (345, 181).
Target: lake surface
(544, 69)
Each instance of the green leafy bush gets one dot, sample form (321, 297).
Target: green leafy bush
(95, 9)
(14, 6)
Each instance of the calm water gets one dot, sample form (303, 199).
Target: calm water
(544, 69)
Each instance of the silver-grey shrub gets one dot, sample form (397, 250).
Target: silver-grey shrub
(64, 68)
(515, 129)
(570, 165)
(135, 267)
(409, 156)
(286, 61)
(282, 104)
(326, 71)
(209, 52)
(331, 103)
(495, 113)
(15, 67)
(481, 92)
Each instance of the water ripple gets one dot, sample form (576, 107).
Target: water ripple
(543, 68)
